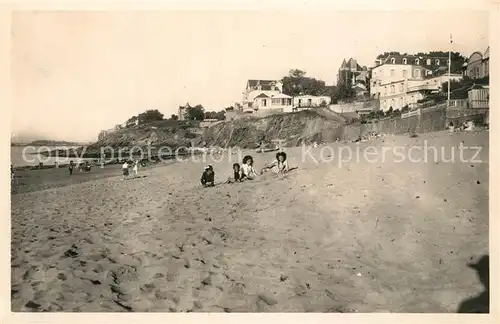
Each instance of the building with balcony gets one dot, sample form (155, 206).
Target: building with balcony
(401, 80)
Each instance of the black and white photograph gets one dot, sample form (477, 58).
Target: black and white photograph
(250, 161)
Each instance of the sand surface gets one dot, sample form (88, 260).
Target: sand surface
(363, 237)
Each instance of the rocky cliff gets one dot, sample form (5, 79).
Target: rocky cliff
(293, 129)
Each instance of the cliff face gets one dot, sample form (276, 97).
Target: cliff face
(293, 129)
(160, 133)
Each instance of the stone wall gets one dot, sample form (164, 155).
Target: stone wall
(431, 120)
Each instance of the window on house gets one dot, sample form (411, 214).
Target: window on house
(428, 62)
(405, 61)
(417, 61)
(264, 102)
(417, 73)
(401, 87)
(393, 60)
(392, 72)
(437, 62)
(405, 72)
(392, 89)
(385, 90)
(275, 101)
(400, 102)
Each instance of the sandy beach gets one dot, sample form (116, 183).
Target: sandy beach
(363, 237)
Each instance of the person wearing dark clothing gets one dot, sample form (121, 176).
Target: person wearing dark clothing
(237, 177)
(207, 177)
(481, 302)
(71, 167)
(236, 172)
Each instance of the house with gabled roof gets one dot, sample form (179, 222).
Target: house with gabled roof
(265, 95)
(351, 72)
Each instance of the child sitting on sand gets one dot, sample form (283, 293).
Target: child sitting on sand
(247, 170)
(280, 165)
(207, 177)
(236, 174)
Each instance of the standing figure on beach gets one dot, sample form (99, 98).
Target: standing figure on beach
(13, 178)
(125, 170)
(71, 167)
(247, 170)
(207, 177)
(135, 169)
(280, 165)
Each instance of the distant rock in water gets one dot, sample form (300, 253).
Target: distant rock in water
(53, 143)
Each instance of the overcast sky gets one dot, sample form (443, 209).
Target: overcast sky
(75, 73)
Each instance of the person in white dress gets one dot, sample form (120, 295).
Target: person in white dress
(247, 170)
(280, 165)
(135, 169)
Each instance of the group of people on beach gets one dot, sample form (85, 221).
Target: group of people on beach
(80, 166)
(126, 166)
(246, 170)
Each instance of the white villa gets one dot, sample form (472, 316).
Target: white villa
(265, 96)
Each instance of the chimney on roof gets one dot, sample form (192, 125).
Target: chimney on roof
(279, 85)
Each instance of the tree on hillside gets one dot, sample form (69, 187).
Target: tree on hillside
(150, 115)
(344, 92)
(297, 83)
(174, 117)
(132, 119)
(220, 115)
(195, 113)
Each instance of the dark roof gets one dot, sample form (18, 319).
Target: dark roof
(412, 59)
(254, 83)
(264, 84)
(351, 63)
(262, 95)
